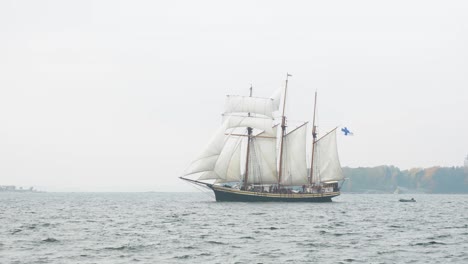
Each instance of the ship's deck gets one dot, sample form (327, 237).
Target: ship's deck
(229, 194)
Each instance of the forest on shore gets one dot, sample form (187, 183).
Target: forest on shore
(390, 179)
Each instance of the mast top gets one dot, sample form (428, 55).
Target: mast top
(285, 91)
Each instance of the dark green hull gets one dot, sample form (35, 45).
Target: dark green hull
(232, 195)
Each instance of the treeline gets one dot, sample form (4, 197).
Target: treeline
(388, 179)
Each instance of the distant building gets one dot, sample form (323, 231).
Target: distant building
(12, 188)
(7, 188)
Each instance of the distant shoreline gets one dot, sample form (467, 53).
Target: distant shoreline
(197, 192)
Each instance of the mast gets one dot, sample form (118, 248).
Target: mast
(283, 130)
(314, 139)
(249, 135)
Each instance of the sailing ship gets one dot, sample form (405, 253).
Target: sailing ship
(255, 156)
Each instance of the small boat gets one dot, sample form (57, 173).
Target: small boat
(412, 200)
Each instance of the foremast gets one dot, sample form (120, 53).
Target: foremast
(283, 131)
(314, 140)
(249, 137)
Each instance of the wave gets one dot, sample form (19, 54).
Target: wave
(340, 234)
(440, 236)
(349, 260)
(50, 240)
(190, 247)
(312, 244)
(115, 248)
(31, 226)
(128, 247)
(430, 243)
(215, 242)
(17, 230)
(258, 213)
(271, 228)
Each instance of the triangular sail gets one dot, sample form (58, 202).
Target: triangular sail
(227, 166)
(207, 159)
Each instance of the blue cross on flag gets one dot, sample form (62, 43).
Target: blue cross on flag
(346, 131)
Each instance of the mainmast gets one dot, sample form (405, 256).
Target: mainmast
(283, 130)
(314, 139)
(249, 135)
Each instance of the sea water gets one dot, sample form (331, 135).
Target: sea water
(193, 228)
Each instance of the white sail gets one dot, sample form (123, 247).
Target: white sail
(207, 159)
(227, 166)
(276, 97)
(202, 165)
(294, 158)
(263, 161)
(327, 160)
(207, 175)
(265, 124)
(244, 104)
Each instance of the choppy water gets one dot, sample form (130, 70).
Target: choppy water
(192, 228)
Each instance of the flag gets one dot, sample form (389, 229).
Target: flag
(346, 131)
(289, 75)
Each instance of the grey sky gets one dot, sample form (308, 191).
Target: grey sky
(121, 95)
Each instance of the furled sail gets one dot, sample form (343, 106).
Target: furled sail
(263, 161)
(327, 160)
(294, 158)
(253, 105)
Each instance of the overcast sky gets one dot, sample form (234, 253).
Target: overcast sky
(121, 95)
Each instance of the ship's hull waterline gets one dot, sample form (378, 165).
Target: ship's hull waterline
(232, 195)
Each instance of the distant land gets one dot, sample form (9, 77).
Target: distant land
(13, 188)
(390, 179)
(380, 179)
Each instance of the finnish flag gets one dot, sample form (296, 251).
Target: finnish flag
(346, 131)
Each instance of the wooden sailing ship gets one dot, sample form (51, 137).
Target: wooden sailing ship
(252, 159)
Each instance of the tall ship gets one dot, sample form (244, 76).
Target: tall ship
(255, 156)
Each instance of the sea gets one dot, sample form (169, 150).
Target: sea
(194, 228)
